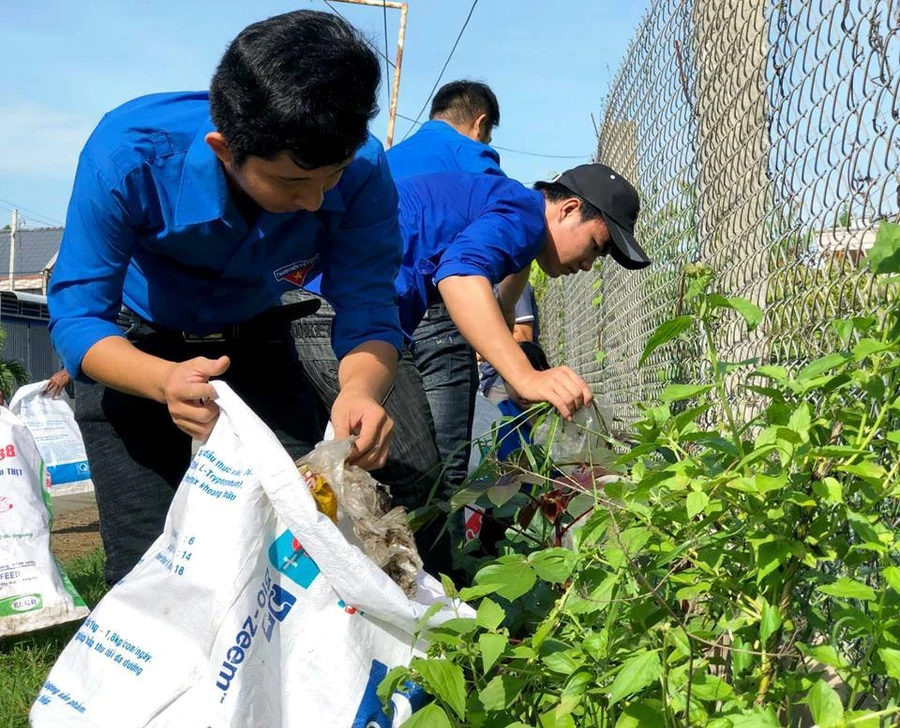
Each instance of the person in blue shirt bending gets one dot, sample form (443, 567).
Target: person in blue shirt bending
(463, 234)
(457, 136)
(191, 214)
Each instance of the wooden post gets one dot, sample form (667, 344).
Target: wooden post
(395, 88)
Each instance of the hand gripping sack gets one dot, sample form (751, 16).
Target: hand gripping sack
(251, 609)
(34, 591)
(52, 422)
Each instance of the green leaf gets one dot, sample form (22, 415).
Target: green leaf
(667, 331)
(829, 490)
(579, 681)
(474, 592)
(862, 719)
(825, 705)
(449, 586)
(492, 646)
(770, 556)
(891, 659)
(697, 501)
(556, 719)
(710, 688)
(678, 392)
(820, 366)
(844, 329)
(867, 347)
(827, 655)
(769, 483)
(800, 421)
(554, 564)
(500, 692)
(847, 588)
(640, 715)
(757, 718)
(511, 574)
(892, 577)
(489, 615)
(884, 256)
(456, 626)
(505, 489)
(564, 662)
(431, 716)
(445, 681)
(750, 312)
(388, 685)
(867, 470)
(636, 674)
(769, 622)
(779, 374)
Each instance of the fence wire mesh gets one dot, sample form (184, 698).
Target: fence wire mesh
(764, 138)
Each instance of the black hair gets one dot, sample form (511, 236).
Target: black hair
(535, 355)
(304, 83)
(465, 101)
(555, 192)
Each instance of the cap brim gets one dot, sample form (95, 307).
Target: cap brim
(626, 251)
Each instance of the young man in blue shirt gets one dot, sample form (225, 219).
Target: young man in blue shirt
(465, 233)
(457, 136)
(196, 212)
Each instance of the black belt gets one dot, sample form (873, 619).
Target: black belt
(268, 321)
(436, 310)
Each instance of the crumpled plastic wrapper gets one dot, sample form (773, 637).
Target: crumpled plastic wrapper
(345, 491)
(577, 441)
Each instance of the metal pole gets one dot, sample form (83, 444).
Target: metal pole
(12, 250)
(395, 90)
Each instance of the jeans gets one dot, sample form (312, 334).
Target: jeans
(138, 456)
(449, 372)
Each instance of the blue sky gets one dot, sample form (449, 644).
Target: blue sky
(67, 63)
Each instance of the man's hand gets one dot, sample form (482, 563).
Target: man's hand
(356, 413)
(559, 386)
(189, 395)
(57, 383)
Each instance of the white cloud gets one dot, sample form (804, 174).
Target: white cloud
(38, 141)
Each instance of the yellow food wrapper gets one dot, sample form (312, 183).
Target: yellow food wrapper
(326, 499)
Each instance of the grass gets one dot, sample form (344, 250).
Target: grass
(26, 659)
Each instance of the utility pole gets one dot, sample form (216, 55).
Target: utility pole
(12, 250)
(395, 88)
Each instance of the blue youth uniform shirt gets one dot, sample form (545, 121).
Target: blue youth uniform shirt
(151, 224)
(438, 147)
(463, 224)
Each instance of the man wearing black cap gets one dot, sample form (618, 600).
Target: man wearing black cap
(463, 233)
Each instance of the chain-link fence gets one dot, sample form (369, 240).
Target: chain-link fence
(764, 138)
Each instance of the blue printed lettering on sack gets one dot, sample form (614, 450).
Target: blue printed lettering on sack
(288, 556)
(273, 603)
(404, 702)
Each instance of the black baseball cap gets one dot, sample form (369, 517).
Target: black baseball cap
(619, 204)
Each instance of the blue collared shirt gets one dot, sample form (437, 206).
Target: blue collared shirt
(457, 224)
(438, 147)
(151, 224)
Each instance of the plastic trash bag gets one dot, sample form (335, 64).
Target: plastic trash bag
(382, 532)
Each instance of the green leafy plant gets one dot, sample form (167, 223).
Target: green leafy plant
(12, 373)
(744, 570)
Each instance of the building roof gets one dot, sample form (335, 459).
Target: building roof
(35, 248)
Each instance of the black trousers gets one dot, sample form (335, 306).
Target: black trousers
(137, 454)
